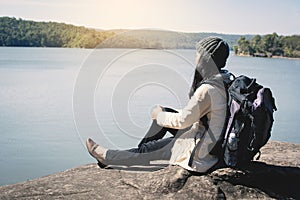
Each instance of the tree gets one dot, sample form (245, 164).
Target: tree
(235, 49)
(256, 44)
(244, 46)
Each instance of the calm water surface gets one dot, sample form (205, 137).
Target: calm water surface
(40, 133)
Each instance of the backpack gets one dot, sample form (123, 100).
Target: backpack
(248, 124)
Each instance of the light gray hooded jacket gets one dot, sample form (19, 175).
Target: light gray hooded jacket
(209, 99)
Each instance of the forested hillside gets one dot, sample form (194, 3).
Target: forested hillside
(18, 32)
(162, 39)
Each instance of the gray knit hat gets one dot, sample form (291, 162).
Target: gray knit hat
(216, 47)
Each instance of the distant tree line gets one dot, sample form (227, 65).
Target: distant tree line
(269, 45)
(18, 32)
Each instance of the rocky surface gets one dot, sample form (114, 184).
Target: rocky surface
(277, 175)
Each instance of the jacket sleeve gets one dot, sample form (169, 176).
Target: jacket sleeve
(197, 107)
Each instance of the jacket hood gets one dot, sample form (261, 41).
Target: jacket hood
(209, 70)
(206, 66)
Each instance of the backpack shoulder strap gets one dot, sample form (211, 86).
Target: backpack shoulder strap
(216, 149)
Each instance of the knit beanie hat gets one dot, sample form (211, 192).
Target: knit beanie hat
(216, 47)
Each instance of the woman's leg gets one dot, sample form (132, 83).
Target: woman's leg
(157, 132)
(154, 150)
(152, 147)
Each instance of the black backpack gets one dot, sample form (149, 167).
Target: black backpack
(248, 124)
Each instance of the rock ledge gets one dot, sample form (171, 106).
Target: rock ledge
(277, 175)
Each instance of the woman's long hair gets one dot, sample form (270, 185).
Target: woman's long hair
(196, 81)
(205, 69)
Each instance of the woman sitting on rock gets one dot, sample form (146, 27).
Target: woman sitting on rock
(195, 128)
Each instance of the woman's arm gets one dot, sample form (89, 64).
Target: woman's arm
(198, 106)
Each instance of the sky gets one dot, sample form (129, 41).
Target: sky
(220, 16)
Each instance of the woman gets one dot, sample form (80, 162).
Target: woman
(195, 128)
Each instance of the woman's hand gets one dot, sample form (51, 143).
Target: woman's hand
(156, 110)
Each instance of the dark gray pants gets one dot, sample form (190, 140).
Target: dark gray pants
(151, 147)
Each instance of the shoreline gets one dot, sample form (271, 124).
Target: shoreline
(276, 57)
(292, 58)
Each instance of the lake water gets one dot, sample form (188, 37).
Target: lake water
(53, 99)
